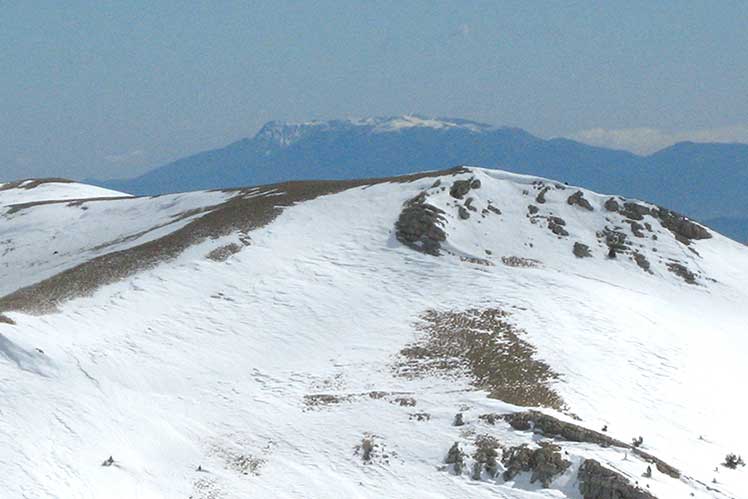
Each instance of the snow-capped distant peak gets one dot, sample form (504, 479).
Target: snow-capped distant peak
(283, 134)
(412, 121)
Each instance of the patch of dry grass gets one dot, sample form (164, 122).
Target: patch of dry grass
(520, 262)
(221, 254)
(485, 346)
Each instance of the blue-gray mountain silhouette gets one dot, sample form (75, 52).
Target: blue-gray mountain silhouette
(705, 181)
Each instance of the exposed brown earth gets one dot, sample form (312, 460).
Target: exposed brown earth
(484, 345)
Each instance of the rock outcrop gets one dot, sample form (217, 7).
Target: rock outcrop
(461, 187)
(544, 462)
(456, 458)
(599, 482)
(577, 199)
(419, 226)
(548, 426)
(556, 225)
(682, 228)
(581, 250)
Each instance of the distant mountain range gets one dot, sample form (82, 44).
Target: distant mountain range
(705, 181)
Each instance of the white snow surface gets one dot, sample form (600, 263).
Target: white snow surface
(284, 134)
(412, 121)
(40, 241)
(52, 190)
(204, 363)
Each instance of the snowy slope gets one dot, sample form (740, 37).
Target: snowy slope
(44, 239)
(39, 190)
(270, 367)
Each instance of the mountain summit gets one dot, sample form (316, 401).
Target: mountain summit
(284, 134)
(459, 333)
(705, 181)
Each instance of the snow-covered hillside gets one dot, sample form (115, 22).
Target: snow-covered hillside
(39, 190)
(370, 339)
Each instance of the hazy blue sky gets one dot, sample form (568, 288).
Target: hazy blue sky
(108, 89)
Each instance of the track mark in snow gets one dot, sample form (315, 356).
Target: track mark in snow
(87, 374)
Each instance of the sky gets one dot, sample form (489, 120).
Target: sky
(111, 89)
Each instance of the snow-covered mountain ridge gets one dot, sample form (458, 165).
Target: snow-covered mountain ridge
(54, 189)
(284, 134)
(320, 340)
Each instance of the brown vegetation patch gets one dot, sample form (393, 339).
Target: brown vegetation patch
(221, 254)
(405, 401)
(483, 345)
(477, 261)
(246, 464)
(237, 458)
(206, 488)
(320, 400)
(326, 399)
(520, 262)
(372, 450)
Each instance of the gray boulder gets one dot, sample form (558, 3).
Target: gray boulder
(599, 482)
(545, 463)
(460, 188)
(581, 250)
(577, 199)
(419, 226)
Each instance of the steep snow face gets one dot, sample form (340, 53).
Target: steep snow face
(37, 190)
(275, 370)
(284, 134)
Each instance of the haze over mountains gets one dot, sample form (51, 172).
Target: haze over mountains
(705, 181)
